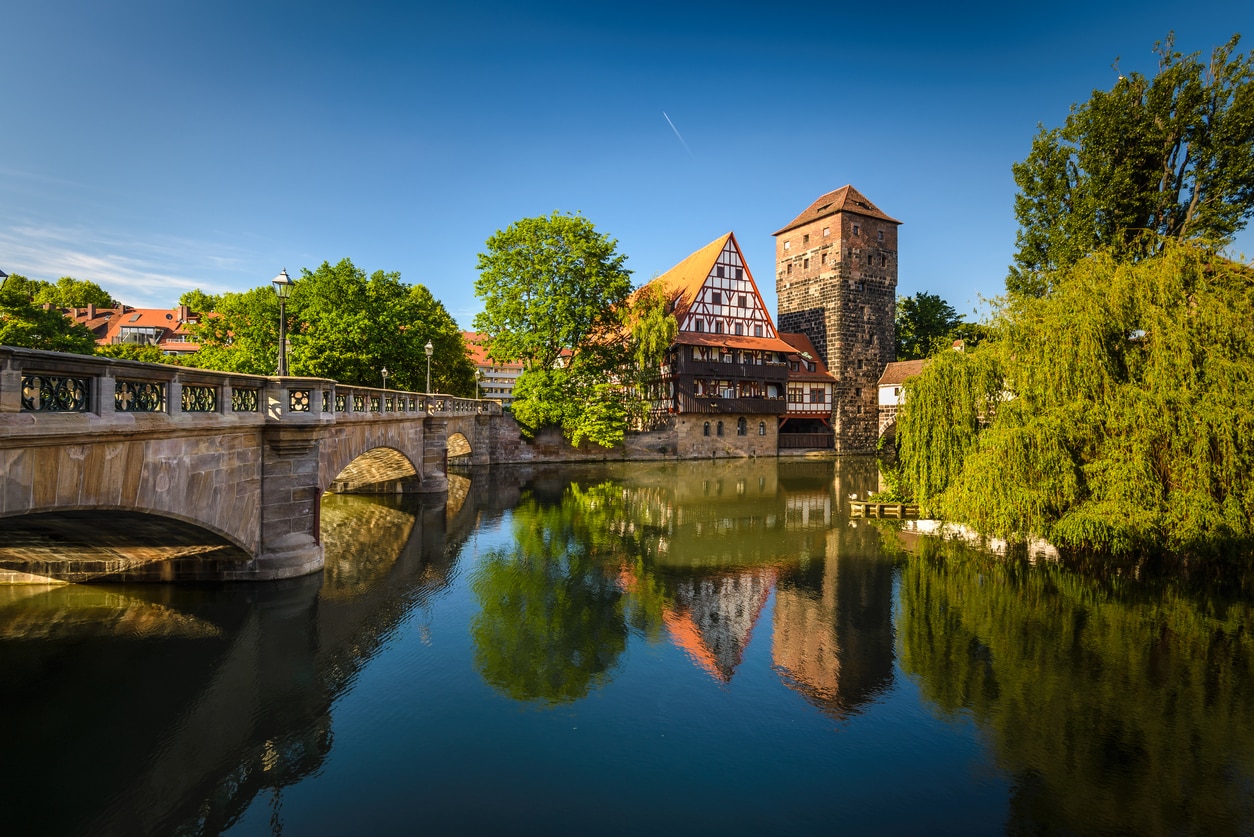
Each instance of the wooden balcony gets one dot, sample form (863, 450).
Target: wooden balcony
(731, 406)
(706, 369)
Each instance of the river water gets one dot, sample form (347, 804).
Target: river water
(687, 648)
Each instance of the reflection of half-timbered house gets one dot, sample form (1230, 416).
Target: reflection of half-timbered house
(727, 373)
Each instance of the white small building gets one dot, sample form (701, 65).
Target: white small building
(891, 383)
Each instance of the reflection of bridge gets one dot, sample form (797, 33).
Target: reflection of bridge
(243, 456)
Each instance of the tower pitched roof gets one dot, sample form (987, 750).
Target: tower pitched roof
(844, 199)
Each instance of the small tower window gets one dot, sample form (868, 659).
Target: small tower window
(761, 428)
(742, 426)
(881, 235)
(705, 431)
(855, 229)
(805, 239)
(720, 428)
(826, 230)
(787, 245)
(805, 264)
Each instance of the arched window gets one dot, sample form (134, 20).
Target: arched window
(720, 428)
(742, 427)
(761, 428)
(706, 429)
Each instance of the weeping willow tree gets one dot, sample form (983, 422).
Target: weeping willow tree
(1115, 415)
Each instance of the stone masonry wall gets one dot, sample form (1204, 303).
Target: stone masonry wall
(840, 290)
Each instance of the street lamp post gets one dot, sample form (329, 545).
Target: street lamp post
(385, 377)
(430, 350)
(478, 378)
(283, 288)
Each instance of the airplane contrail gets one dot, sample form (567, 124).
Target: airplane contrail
(678, 136)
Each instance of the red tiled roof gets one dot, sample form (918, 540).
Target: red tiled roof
(844, 199)
(732, 341)
(479, 355)
(896, 372)
(802, 346)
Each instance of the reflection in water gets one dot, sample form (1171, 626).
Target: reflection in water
(1114, 706)
(659, 608)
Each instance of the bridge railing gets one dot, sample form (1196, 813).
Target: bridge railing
(42, 383)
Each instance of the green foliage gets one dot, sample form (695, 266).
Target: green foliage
(135, 351)
(939, 423)
(550, 284)
(1129, 419)
(73, 293)
(341, 325)
(1106, 703)
(1167, 158)
(551, 624)
(924, 324)
(26, 325)
(555, 297)
(199, 301)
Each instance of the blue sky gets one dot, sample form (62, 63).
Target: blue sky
(154, 147)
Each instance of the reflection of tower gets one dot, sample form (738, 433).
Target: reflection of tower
(713, 617)
(833, 630)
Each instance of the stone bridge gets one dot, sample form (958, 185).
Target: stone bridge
(243, 456)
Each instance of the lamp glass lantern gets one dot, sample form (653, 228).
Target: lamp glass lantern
(430, 350)
(283, 285)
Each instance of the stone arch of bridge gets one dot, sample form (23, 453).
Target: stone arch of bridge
(111, 543)
(459, 446)
(382, 470)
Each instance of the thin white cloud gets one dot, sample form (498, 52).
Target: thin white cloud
(151, 272)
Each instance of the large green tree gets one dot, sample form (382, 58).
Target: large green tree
(69, 292)
(26, 325)
(199, 301)
(1152, 159)
(550, 286)
(924, 321)
(1115, 414)
(344, 325)
(557, 297)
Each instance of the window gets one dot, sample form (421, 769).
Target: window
(855, 229)
(826, 230)
(742, 426)
(700, 325)
(805, 239)
(720, 428)
(706, 430)
(716, 298)
(896, 392)
(744, 301)
(761, 432)
(787, 245)
(757, 331)
(740, 274)
(740, 329)
(857, 392)
(718, 326)
(823, 259)
(859, 363)
(881, 235)
(818, 396)
(790, 267)
(805, 264)
(859, 286)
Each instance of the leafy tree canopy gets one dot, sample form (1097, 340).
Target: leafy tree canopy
(549, 285)
(924, 324)
(1170, 157)
(557, 297)
(26, 325)
(69, 292)
(1115, 414)
(199, 301)
(344, 325)
(136, 351)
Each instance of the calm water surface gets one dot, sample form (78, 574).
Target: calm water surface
(677, 649)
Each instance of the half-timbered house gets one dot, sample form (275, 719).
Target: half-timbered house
(725, 381)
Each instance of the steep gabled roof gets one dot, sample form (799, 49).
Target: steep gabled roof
(844, 199)
(684, 280)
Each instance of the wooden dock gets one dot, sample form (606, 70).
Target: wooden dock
(899, 511)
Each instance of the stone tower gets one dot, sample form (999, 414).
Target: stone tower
(836, 280)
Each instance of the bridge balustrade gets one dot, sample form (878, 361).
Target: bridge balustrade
(39, 382)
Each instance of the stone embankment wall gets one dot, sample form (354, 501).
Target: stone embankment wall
(684, 439)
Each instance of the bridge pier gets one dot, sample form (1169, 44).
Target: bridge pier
(291, 543)
(434, 455)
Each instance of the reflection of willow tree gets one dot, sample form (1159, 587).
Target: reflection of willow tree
(551, 625)
(1113, 710)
